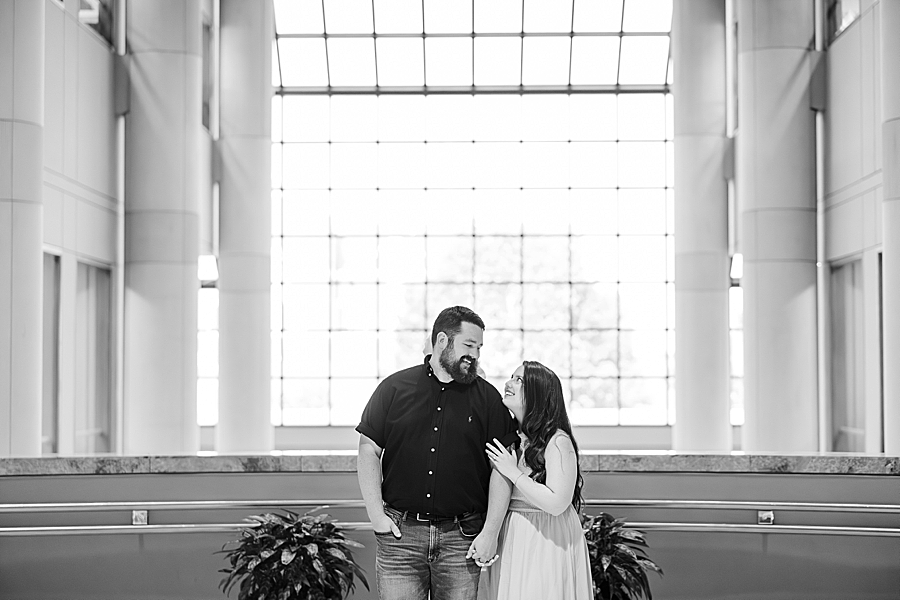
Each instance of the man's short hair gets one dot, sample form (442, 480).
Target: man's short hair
(451, 319)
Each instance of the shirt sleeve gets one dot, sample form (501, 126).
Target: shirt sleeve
(374, 416)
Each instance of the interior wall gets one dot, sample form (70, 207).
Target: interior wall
(79, 188)
(853, 185)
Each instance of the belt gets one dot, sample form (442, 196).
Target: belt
(407, 515)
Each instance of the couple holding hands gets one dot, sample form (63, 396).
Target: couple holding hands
(466, 501)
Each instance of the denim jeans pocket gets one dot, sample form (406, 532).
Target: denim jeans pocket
(471, 524)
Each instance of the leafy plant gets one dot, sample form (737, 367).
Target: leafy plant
(291, 557)
(619, 562)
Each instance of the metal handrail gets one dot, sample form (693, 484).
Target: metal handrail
(68, 530)
(50, 507)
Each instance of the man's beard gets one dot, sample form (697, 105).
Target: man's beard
(456, 369)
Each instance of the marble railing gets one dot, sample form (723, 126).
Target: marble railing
(345, 461)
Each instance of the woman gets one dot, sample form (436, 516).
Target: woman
(543, 553)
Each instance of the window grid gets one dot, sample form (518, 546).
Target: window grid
(332, 413)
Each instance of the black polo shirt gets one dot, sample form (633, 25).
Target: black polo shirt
(434, 435)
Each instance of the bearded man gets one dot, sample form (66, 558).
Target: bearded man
(435, 504)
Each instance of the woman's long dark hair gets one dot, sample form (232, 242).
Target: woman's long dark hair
(544, 415)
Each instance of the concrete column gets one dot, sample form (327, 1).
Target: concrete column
(890, 219)
(245, 227)
(163, 133)
(701, 226)
(21, 224)
(776, 187)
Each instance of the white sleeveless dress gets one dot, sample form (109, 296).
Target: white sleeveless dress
(542, 557)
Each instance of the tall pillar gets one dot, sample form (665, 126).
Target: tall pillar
(21, 224)
(701, 224)
(776, 187)
(163, 133)
(890, 218)
(245, 235)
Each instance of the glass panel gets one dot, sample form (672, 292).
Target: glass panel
(354, 354)
(307, 307)
(448, 16)
(642, 306)
(497, 117)
(305, 354)
(298, 17)
(545, 165)
(595, 60)
(642, 164)
(351, 61)
(306, 118)
(737, 401)
(354, 118)
(354, 166)
(449, 118)
(401, 259)
(545, 117)
(498, 61)
(354, 259)
(498, 16)
(642, 117)
(306, 212)
(643, 402)
(303, 62)
(94, 360)
(595, 258)
(595, 353)
(439, 296)
(551, 348)
(642, 353)
(401, 165)
(594, 401)
(448, 165)
(401, 118)
(207, 402)
(275, 354)
(737, 353)
(277, 125)
(537, 220)
(276, 165)
(307, 166)
(208, 309)
(642, 258)
(399, 350)
(498, 212)
(348, 16)
(541, 304)
(306, 260)
(398, 16)
(498, 259)
(450, 259)
(736, 307)
(349, 398)
(594, 306)
(497, 165)
(400, 212)
(276, 66)
(401, 306)
(275, 261)
(502, 352)
(596, 209)
(670, 116)
(545, 60)
(354, 306)
(305, 402)
(354, 212)
(500, 304)
(401, 61)
(50, 355)
(642, 211)
(593, 117)
(547, 16)
(545, 259)
(597, 15)
(276, 212)
(442, 221)
(643, 60)
(647, 15)
(275, 399)
(448, 61)
(593, 164)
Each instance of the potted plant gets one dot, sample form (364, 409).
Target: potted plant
(619, 562)
(291, 557)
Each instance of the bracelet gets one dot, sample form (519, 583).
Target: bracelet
(517, 478)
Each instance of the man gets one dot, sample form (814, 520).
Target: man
(435, 504)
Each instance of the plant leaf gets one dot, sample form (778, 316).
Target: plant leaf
(287, 556)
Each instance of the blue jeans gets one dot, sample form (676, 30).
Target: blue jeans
(429, 557)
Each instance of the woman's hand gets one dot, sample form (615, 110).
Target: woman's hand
(503, 460)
